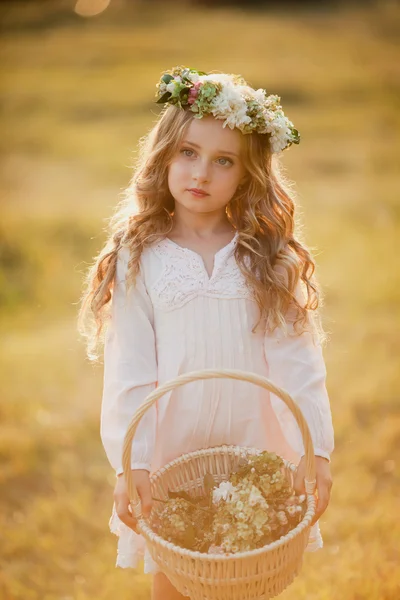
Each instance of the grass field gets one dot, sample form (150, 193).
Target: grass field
(76, 95)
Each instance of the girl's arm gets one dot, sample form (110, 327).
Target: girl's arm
(130, 371)
(296, 364)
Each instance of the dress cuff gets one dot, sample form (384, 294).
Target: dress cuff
(145, 466)
(320, 452)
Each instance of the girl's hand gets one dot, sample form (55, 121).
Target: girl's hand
(324, 483)
(121, 498)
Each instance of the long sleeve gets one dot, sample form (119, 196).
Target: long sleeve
(130, 371)
(296, 364)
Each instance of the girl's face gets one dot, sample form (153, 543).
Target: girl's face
(207, 167)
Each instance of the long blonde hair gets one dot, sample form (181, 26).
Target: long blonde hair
(271, 259)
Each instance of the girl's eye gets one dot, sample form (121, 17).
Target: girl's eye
(187, 152)
(224, 161)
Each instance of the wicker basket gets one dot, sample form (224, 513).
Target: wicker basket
(254, 575)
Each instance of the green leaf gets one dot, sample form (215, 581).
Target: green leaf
(202, 501)
(164, 98)
(189, 537)
(204, 546)
(198, 500)
(198, 72)
(209, 483)
(186, 74)
(183, 94)
(166, 78)
(179, 494)
(296, 136)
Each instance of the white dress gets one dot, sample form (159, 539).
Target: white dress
(178, 319)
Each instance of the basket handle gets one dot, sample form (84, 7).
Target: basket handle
(310, 477)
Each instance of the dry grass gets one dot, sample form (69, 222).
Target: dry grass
(75, 98)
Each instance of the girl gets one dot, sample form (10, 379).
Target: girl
(203, 270)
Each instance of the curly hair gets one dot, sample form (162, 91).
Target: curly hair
(274, 263)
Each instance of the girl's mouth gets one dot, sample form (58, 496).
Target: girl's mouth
(198, 193)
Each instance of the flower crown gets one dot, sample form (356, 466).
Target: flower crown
(228, 97)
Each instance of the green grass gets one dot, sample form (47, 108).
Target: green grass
(76, 96)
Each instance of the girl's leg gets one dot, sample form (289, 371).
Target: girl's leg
(162, 589)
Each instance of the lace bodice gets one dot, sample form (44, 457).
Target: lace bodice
(184, 275)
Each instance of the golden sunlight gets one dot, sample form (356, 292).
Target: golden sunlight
(91, 8)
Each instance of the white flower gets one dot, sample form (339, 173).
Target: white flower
(193, 77)
(215, 550)
(260, 519)
(280, 131)
(260, 96)
(223, 78)
(223, 492)
(272, 101)
(282, 517)
(278, 142)
(256, 497)
(171, 87)
(230, 105)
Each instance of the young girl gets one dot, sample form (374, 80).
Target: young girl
(203, 270)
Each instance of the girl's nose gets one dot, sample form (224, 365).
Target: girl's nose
(201, 172)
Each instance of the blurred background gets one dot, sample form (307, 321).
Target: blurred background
(77, 87)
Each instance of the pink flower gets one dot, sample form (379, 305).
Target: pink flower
(193, 92)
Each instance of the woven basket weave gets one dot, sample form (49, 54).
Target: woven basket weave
(254, 575)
